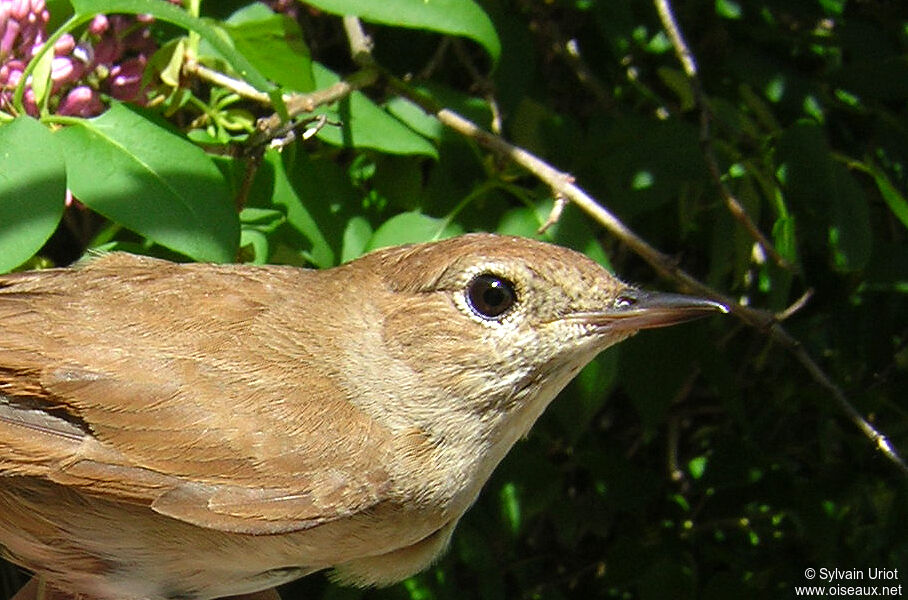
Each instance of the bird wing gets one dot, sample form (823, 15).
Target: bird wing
(222, 412)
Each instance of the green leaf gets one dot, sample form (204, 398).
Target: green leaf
(274, 45)
(151, 181)
(511, 511)
(643, 163)
(169, 61)
(808, 174)
(729, 9)
(454, 17)
(523, 221)
(586, 395)
(413, 115)
(411, 228)
(311, 192)
(783, 238)
(41, 83)
(850, 232)
(654, 366)
(256, 225)
(831, 201)
(169, 13)
(265, 220)
(32, 189)
(365, 125)
(679, 83)
(697, 466)
(357, 234)
(891, 195)
(258, 242)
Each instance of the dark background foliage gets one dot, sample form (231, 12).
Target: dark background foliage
(701, 461)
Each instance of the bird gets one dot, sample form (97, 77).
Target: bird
(184, 431)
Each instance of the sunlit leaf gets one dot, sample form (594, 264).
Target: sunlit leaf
(453, 17)
(409, 228)
(32, 189)
(152, 181)
(360, 123)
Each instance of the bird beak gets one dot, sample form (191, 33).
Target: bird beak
(636, 309)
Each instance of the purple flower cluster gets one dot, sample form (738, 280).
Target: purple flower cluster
(111, 59)
(22, 32)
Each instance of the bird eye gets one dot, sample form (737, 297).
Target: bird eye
(490, 296)
(625, 301)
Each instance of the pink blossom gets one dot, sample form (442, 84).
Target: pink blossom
(31, 105)
(81, 101)
(10, 33)
(65, 70)
(64, 45)
(20, 9)
(107, 50)
(10, 73)
(126, 79)
(114, 51)
(99, 25)
(140, 42)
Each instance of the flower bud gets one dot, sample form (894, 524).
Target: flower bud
(9, 37)
(65, 70)
(31, 106)
(107, 50)
(64, 45)
(11, 72)
(139, 42)
(99, 25)
(126, 79)
(81, 101)
(20, 9)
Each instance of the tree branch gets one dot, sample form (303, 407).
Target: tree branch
(563, 184)
(689, 64)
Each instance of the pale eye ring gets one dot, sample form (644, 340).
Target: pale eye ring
(490, 296)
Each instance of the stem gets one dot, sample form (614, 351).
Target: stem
(689, 64)
(479, 190)
(193, 7)
(62, 119)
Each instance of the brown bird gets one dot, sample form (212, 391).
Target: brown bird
(193, 431)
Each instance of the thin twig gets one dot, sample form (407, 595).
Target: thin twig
(360, 42)
(777, 333)
(689, 64)
(795, 306)
(481, 83)
(240, 87)
(433, 63)
(555, 214)
(879, 440)
(297, 104)
(675, 472)
(569, 51)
